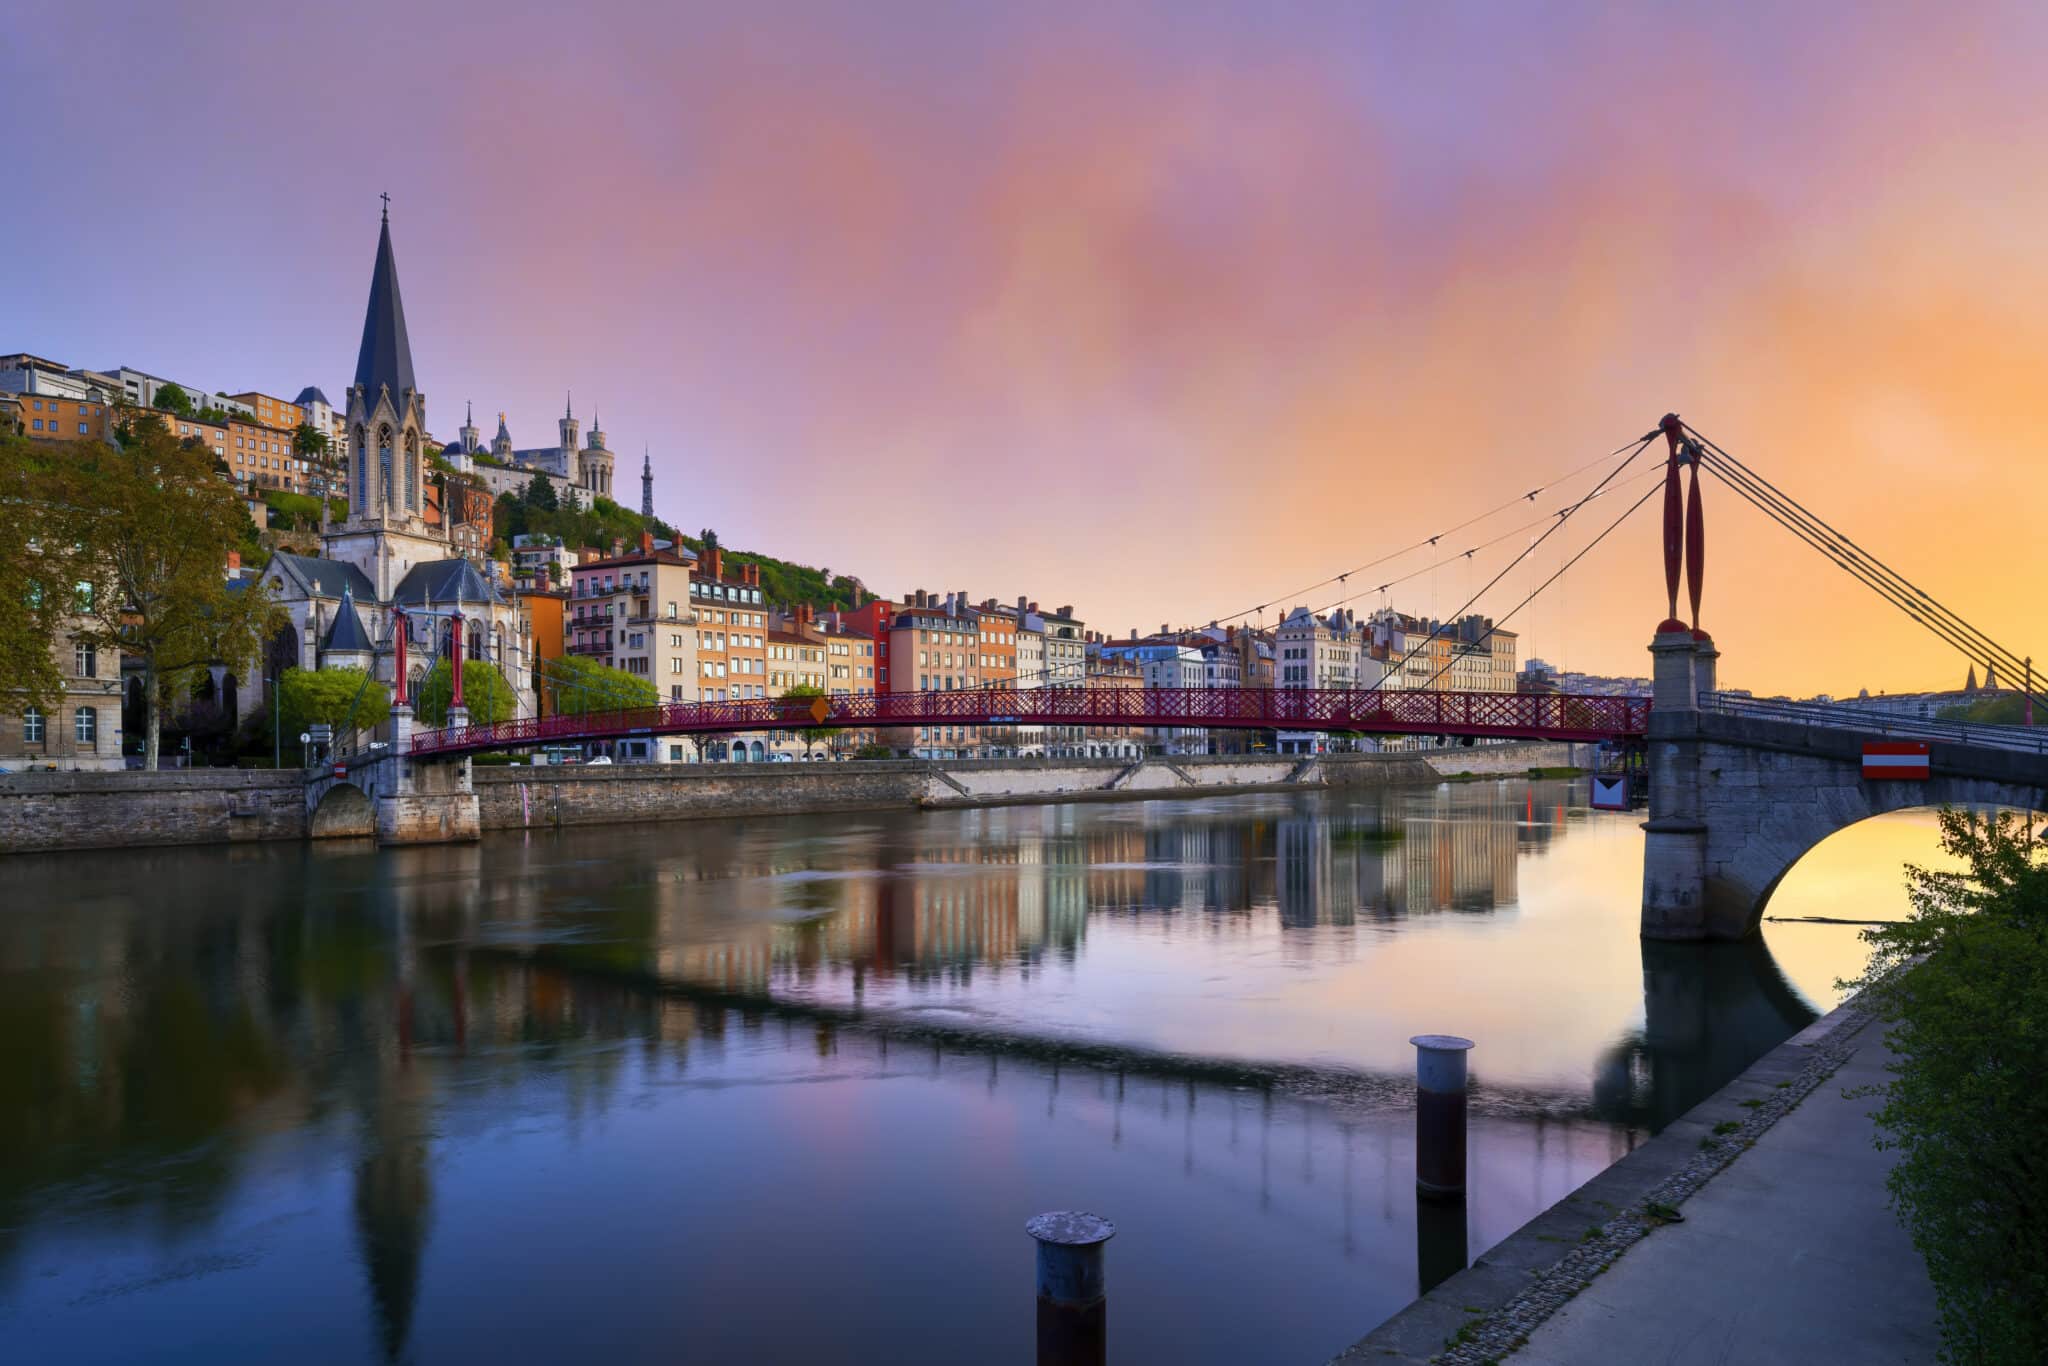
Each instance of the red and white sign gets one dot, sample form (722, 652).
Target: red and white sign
(1891, 760)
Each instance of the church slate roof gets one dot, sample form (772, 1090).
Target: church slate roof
(347, 632)
(385, 359)
(328, 578)
(444, 582)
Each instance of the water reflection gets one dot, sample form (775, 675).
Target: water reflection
(1709, 1010)
(772, 1035)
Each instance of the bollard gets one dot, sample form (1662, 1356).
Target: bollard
(1073, 1313)
(1440, 1115)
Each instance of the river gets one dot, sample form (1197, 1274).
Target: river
(788, 1089)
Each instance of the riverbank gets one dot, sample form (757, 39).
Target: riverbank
(49, 812)
(1783, 1247)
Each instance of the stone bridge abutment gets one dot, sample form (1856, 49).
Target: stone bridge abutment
(1736, 800)
(397, 798)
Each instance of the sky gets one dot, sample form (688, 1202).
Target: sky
(1163, 310)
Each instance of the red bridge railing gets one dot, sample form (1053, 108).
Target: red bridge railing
(1482, 715)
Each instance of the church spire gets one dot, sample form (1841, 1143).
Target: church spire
(385, 358)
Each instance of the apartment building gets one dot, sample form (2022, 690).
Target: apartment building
(47, 418)
(935, 646)
(543, 630)
(1066, 666)
(82, 730)
(732, 639)
(1114, 742)
(540, 560)
(632, 612)
(271, 412)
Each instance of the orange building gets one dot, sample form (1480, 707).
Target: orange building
(732, 630)
(45, 418)
(544, 630)
(272, 412)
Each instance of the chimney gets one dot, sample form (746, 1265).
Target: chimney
(1034, 607)
(646, 543)
(714, 562)
(1164, 630)
(1022, 605)
(234, 560)
(837, 623)
(1067, 611)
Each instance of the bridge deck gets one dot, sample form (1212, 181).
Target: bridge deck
(1480, 715)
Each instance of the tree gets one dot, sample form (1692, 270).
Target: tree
(540, 493)
(36, 560)
(332, 697)
(172, 398)
(812, 736)
(578, 687)
(1961, 982)
(709, 538)
(309, 441)
(156, 525)
(485, 693)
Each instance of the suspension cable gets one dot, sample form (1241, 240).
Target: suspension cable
(1428, 541)
(1503, 621)
(1530, 549)
(1942, 621)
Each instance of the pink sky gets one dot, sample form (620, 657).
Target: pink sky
(1158, 309)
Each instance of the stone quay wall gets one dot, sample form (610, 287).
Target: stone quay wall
(52, 811)
(46, 811)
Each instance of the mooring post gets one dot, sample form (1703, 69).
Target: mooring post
(1440, 1115)
(1073, 1311)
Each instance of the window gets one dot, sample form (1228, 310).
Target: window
(81, 429)
(85, 725)
(38, 421)
(32, 726)
(85, 658)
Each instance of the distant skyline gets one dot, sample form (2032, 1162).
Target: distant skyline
(1159, 309)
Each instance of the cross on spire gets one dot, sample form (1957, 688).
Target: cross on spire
(386, 197)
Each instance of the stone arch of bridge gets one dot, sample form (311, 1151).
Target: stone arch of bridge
(1745, 866)
(345, 810)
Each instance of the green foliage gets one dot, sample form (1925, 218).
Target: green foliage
(35, 562)
(1999, 709)
(577, 686)
(485, 693)
(1968, 1100)
(330, 696)
(540, 494)
(310, 442)
(172, 398)
(812, 736)
(156, 525)
(299, 511)
(216, 416)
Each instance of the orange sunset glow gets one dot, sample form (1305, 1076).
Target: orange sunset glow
(1162, 311)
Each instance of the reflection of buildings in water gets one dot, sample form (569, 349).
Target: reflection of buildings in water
(1710, 1010)
(1460, 855)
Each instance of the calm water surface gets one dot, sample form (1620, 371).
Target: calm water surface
(788, 1089)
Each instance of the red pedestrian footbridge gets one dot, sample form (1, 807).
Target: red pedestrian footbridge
(1364, 711)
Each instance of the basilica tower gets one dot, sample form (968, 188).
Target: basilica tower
(594, 472)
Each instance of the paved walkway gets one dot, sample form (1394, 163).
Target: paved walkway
(1790, 1254)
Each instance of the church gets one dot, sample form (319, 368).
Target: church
(586, 469)
(386, 555)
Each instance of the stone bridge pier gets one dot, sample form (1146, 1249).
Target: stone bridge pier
(1737, 798)
(396, 798)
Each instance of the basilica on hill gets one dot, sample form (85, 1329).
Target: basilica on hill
(345, 602)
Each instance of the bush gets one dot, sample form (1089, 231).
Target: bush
(485, 694)
(1968, 1102)
(576, 686)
